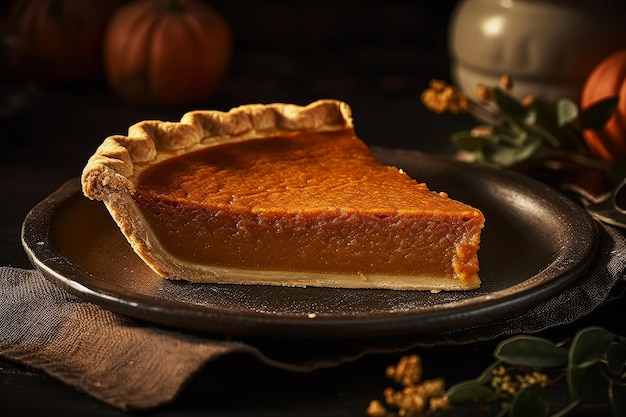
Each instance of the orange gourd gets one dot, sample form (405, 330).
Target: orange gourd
(607, 79)
(60, 40)
(166, 51)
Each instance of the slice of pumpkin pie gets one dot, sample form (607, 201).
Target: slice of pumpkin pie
(280, 194)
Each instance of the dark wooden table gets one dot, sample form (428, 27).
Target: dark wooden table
(376, 57)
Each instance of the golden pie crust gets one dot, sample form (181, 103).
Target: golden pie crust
(280, 194)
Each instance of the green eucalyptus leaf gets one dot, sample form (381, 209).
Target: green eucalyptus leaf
(512, 107)
(499, 155)
(589, 345)
(596, 115)
(586, 350)
(566, 111)
(471, 390)
(530, 401)
(531, 351)
(615, 357)
(505, 155)
(466, 141)
(510, 132)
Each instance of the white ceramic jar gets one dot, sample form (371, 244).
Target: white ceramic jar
(548, 47)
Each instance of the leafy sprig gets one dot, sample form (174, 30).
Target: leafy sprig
(528, 369)
(514, 130)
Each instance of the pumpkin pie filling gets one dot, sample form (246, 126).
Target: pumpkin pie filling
(293, 202)
(299, 207)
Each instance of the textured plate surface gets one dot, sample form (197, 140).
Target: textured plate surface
(535, 243)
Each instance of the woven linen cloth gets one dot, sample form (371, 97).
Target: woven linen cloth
(132, 365)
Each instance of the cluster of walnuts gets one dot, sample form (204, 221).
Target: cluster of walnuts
(415, 397)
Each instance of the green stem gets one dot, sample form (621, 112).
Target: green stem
(576, 158)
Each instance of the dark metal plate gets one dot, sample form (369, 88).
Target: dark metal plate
(535, 243)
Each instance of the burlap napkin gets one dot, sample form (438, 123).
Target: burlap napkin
(133, 365)
(123, 362)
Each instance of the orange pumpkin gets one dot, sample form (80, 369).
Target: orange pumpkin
(60, 40)
(607, 79)
(166, 51)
